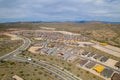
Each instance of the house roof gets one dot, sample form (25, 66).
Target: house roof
(85, 53)
(65, 56)
(97, 56)
(90, 55)
(107, 72)
(116, 76)
(104, 59)
(82, 62)
(90, 65)
(98, 68)
(117, 64)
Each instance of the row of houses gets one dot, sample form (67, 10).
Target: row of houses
(71, 54)
(101, 58)
(100, 69)
(53, 36)
(65, 51)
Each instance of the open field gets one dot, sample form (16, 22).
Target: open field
(24, 70)
(8, 43)
(4, 37)
(109, 50)
(7, 46)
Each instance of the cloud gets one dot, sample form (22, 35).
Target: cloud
(60, 9)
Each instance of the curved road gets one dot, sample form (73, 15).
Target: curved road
(59, 73)
(23, 47)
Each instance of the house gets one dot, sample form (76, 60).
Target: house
(118, 64)
(90, 55)
(72, 58)
(65, 56)
(50, 51)
(44, 50)
(61, 53)
(104, 59)
(85, 53)
(116, 76)
(107, 73)
(97, 56)
(90, 65)
(98, 68)
(55, 52)
(83, 62)
(17, 77)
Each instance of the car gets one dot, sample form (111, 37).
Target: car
(29, 59)
(14, 55)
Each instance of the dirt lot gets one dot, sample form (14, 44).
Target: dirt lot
(110, 50)
(13, 37)
(33, 49)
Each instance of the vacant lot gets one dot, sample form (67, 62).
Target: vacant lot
(7, 46)
(4, 37)
(96, 51)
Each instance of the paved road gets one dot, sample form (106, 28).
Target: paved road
(23, 47)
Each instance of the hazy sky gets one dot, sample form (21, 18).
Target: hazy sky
(59, 10)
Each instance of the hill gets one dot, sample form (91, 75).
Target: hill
(109, 33)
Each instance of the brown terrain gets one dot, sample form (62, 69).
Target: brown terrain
(109, 33)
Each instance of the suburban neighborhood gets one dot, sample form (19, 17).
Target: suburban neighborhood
(65, 45)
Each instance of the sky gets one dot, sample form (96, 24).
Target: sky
(59, 10)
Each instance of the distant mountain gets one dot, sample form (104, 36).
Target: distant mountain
(112, 22)
(82, 22)
(98, 22)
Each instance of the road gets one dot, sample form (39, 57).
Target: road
(95, 61)
(23, 47)
(58, 72)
